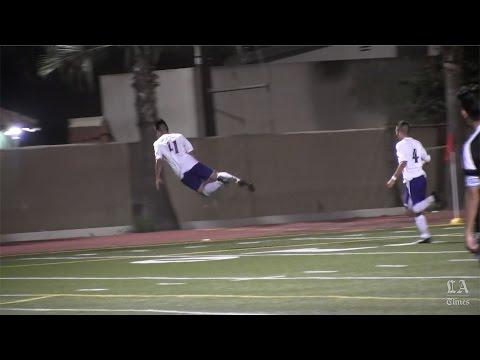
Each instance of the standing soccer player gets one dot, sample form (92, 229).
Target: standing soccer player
(411, 157)
(175, 149)
(470, 104)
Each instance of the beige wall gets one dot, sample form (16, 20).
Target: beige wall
(64, 187)
(299, 174)
(312, 96)
(177, 103)
(88, 186)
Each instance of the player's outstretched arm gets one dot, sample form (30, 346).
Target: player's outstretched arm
(396, 174)
(158, 172)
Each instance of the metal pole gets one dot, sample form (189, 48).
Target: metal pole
(451, 64)
(248, 87)
(453, 177)
(205, 80)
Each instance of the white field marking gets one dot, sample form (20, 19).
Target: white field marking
(86, 254)
(452, 227)
(186, 312)
(249, 242)
(404, 231)
(368, 237)
(206, 239)
(186, 259)
(245, 296)
(391, 266)
(277, 277)
(319, 271)
(92, 289)
(261, 253)
(263, 278)
(139, 250)
(195, 246)
(53, 258)
(170, 283)
(262, 237)
(209, 251)
(316, 250)
(403, 244)
(354, 235)
(437, 241)
(266, 253)
(455, 260)
(27, 300)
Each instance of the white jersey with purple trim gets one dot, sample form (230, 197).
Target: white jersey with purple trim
(175, 148)
(413, 152)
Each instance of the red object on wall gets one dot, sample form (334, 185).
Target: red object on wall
(450, 146)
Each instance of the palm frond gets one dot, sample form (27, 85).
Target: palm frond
(64, 55)
(77, 58)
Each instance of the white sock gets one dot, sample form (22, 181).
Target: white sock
(422, 205)
(211, 187)
(422, 226)
(226, 176)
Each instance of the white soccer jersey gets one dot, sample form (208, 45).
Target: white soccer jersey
(471, 159)
(471, 151)
(413, 152)
(174, 148)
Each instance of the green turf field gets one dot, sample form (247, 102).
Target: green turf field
(374, 272)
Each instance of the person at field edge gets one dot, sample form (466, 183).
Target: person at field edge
(411, 157)
(470, 110)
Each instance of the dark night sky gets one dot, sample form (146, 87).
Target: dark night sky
(53, 101)
(50, 100)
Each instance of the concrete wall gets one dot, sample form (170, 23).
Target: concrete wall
(64, 187)
(342, 52)
(320, 172)
(67, 187)
(302, 96)
(312, 96)
(176, 101)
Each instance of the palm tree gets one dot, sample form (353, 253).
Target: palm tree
(75, 63)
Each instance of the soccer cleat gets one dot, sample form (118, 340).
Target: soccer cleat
(425, 241)
(222, 180)
(250, 186)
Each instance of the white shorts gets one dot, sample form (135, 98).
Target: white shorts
(471, 181)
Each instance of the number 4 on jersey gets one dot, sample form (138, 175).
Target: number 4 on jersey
(415, 157)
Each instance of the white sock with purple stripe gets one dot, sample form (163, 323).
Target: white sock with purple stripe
(211, 187)
(422, 226)
(227, 177)
(422, 205)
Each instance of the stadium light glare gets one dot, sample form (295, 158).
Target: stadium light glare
(14, 132)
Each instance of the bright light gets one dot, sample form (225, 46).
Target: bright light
(14, 132)
(31, 130)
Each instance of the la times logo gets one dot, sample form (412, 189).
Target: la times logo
(459, 288)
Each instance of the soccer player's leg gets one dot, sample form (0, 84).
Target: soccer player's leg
(418, 187)
(191, 180)
(472, 213)
(226, 178)
(420, 201)
(209, 183)
(407, 201)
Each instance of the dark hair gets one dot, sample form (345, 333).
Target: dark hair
(468, 97)
(159, 123)
(403, 126)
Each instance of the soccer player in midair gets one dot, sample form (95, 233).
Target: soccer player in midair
(175, 149)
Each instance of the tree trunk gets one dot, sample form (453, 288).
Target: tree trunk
(452, 59)
(151, 208)
(201, 61)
